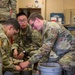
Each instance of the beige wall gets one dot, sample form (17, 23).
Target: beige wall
(69, 11)
(25, 3)
(48, 6)
(31, 4)
(69, 4)
(53, 6)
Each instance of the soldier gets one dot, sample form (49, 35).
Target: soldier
(55, 37)
(26, 40)
(8, 29)
(23, 39)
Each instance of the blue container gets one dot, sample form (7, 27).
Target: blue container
(58, 15)
(50, 69)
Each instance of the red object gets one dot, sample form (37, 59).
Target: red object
(11, 40)
(53, 20)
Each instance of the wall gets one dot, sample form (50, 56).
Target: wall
(31, 4)
(69, 11)
(58, 6)
(69, 4)
(48, 6)
(53, 6)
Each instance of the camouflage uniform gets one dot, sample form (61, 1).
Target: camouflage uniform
(36, 41)
(23, 39)
(5, 51)
(57, 38)
(29, 40)
(7, 9)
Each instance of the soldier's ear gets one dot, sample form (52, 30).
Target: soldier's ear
(10, 27)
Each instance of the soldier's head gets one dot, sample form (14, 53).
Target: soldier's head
(11, 27)
(22, 19)
(36, 21)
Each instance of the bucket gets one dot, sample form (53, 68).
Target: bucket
(50, 69)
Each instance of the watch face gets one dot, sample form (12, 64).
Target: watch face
(23, 51)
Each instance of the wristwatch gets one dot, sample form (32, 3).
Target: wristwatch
(24, 52)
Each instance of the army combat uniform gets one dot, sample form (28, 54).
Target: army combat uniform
(36, 41)
(7, 9)
(5, 52)
(57, 38)
(22, 40)
(27, 40)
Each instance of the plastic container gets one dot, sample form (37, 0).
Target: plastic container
(59, 17)
(50, 69)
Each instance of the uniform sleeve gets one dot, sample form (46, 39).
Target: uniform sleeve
(50, 37)
(15, 44)
(19, 41)
(6, 61)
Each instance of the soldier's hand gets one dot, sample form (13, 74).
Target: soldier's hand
(15, 54)
(21, 55)
(18, 68)
(24, 64)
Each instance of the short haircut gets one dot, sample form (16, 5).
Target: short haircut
(12, 21)
(20, 14)
(35, 15)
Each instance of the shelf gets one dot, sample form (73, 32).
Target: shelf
(71, 28)
(28, 11)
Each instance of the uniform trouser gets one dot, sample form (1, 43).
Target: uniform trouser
(69, 72)
(28, 72)
(8, 73)
(67, 63)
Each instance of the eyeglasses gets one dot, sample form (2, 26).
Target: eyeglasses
(24, 20)
(32, 25)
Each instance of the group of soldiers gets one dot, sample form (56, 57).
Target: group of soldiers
(24, 45)
(33, 40)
